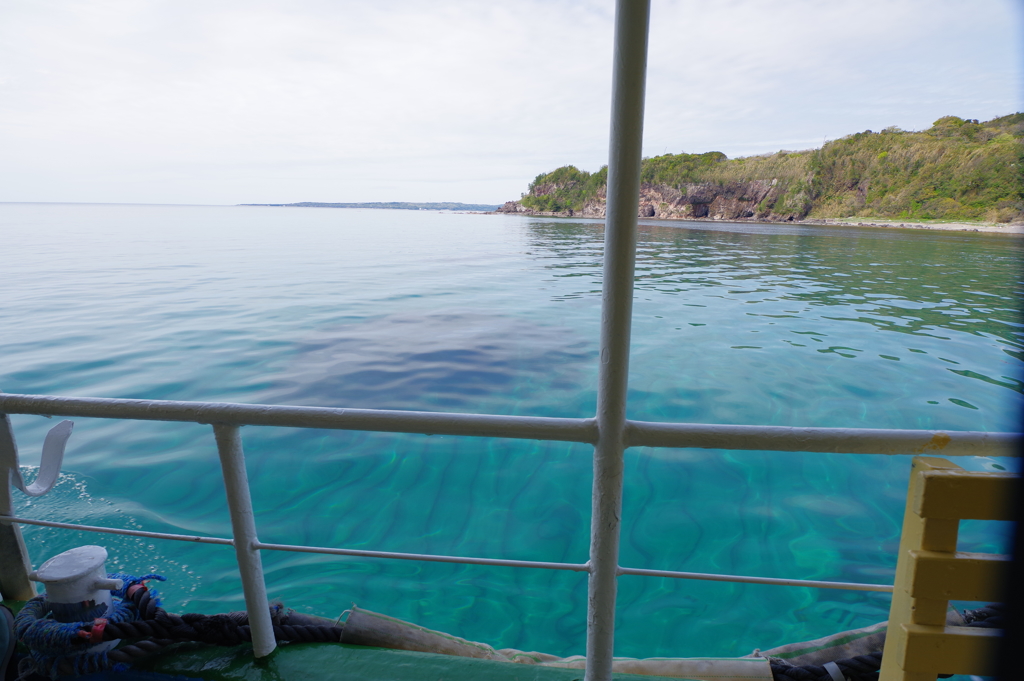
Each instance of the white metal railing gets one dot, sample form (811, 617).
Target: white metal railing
(465, 560)
(610, 432)
(636, 433)
(228, 418)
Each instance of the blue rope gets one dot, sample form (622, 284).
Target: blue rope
(52, 642)
(130, 581)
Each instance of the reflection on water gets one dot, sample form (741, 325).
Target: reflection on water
(769, 313)
(762, 324)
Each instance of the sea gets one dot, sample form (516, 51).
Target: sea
(785, 325)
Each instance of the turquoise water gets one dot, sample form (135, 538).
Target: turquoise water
(476, 313)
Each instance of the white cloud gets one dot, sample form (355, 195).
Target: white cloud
(229, 102)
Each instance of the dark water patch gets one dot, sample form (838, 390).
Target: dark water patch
(452, 360)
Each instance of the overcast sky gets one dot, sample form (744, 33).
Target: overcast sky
(260, 101)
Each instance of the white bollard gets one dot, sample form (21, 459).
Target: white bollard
(76, 584)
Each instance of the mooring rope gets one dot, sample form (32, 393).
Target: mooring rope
(62, 649)
(859, 668)
(866, 667)
(222, 630)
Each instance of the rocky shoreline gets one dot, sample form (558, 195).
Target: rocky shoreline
(732, 211)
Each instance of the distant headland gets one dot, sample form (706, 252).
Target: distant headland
(387, 205)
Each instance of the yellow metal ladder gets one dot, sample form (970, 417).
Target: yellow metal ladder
(930, 572)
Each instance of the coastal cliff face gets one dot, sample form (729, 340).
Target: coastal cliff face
(959, 169)
(755, 200)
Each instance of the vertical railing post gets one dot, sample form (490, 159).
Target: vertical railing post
(243, 528)
(628, 84)
(14, 562)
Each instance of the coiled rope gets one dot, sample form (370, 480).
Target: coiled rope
(860, 668)
(222, 630)
(865, 667)
(62, 649)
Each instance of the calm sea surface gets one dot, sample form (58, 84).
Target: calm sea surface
(733, 324)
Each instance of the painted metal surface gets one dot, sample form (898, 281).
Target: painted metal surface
(930, 572)
(637, 433)
(836, 440)
(466, 560)
(429, 423)
(243, 528)
(115, 530)
(77, 576)
(430, 558)
(629, 73)
(14, 563)
(711, 577)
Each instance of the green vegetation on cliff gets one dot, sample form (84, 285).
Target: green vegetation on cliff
(956, 170)
(567, 188)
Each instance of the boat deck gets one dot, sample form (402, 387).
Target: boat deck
(188, 661)
(343, 662)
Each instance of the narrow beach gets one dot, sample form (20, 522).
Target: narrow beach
(989, 227)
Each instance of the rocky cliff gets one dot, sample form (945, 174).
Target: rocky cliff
(754, 200)
(959, 169)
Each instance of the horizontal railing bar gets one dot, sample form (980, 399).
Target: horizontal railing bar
(638, 433)
(378, 420)
(575, 567)
(837, 440)
(195, 539)
(851, 586)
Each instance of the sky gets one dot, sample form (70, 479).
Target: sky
(258, 101)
